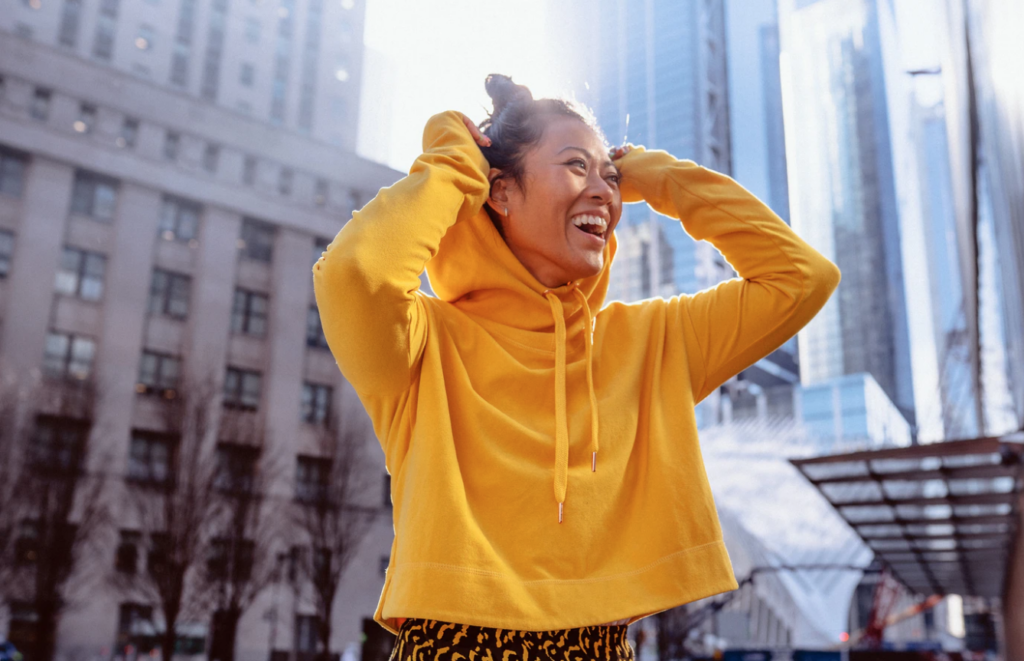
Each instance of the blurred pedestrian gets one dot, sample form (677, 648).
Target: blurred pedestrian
(495, 397)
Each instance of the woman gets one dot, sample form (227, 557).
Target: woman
(493, 400)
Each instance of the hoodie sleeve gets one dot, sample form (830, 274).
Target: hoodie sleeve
(367, 280)
(783, 282)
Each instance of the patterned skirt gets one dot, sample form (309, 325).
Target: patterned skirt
(430, 640)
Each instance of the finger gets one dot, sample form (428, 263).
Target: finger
(475, 132)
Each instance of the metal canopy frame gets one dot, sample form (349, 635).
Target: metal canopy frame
(944, 517)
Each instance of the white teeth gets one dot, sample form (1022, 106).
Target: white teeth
(587, 219)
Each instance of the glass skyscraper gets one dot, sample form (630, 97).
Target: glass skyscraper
(843, 191)
(659, 79)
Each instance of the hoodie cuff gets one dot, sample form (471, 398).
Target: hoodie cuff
(643, 173)
(445, 132)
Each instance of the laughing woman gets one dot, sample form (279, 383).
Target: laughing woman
(547, 480)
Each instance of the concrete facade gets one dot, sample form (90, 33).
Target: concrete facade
(106, 126)
(292, 63)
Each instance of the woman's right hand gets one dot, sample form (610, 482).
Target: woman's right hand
(480, 138)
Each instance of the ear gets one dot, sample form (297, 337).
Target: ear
(498, 198)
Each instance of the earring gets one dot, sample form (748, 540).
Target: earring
(506, 211)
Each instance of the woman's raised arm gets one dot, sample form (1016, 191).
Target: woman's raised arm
(783, 282)
(367, 281)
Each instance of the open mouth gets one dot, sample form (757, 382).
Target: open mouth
(592, 225)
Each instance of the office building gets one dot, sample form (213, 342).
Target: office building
(843, 187)
(169, 172)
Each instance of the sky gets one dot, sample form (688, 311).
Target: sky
(427, 56)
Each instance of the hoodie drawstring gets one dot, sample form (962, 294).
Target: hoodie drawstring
(561, 417)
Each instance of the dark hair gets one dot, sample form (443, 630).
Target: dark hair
(517, 123)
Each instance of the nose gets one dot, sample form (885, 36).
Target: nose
(599, 189)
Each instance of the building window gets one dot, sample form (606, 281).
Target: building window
(81, 274)
(210, 156)
(314, 330)
(310, 57)
(126, 558)
(26, 544)
(242, 389)
(86, 121)
(249, 313)
(169, 294)
(68, 355)
(277, 101)
(158, 552)
(149, 457)
(179, 219)
(387, 490)
(133, 623)
(106, 25)
(311, 475)
(282, 62)
(23, 624)
(40, 106)
(319, 248)
(171, 143)
(69, 20)
(144, 39)
(129, 132)
(284, 181)
(320, 193)
(229, 559)
(246, 74)
(236, 467)
(12, 172)
(316, 403)
(58, 444)
(306, 634)
(257, 240)
(252, 30)
(6, 252)
(94, 195)
(295, 559)
(249, 171)
(214, 50)
(158, 374)
(179, 63)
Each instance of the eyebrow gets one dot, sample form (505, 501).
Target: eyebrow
(606, 163)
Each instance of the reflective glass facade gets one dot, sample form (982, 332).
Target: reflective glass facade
(843, 197)
(660, 81)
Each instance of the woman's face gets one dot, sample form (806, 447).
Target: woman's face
(568, 178)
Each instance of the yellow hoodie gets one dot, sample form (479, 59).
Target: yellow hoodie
(500, 414)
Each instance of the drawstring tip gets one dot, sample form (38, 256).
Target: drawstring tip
(593, 462)
(559, 512)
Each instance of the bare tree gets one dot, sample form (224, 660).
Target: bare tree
(12, 446)
(54, 507)
(242, 559)
(335, 518)
(176, 507)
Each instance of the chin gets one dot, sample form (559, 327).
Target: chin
(588, 269)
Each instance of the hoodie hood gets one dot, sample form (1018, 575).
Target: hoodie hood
(476, 271)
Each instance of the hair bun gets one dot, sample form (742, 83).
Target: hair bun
(503, 91)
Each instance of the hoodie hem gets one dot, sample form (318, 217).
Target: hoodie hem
(466, 595)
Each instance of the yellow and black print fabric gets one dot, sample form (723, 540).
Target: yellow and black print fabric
(430, 640)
